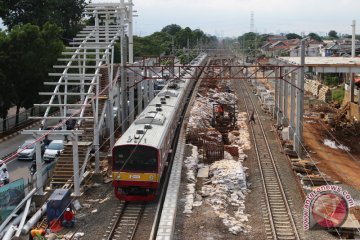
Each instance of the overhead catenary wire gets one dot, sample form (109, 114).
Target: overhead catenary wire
(318, 170)
(327, 183)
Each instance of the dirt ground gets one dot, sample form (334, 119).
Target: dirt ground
(336, 163)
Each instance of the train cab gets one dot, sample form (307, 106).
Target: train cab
(135, 172)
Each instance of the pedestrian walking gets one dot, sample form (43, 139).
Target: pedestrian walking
(252, 118)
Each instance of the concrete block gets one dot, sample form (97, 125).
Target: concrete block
(203, 172)
(285, 134)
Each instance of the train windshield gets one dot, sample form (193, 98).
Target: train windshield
(135, 158)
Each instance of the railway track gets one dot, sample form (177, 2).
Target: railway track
(279, 223)
(125, 221)
(128, 215)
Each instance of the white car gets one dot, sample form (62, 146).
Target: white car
(53, 150)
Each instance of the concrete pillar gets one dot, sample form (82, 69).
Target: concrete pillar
(151, 89)
(146, 87)
(76, 165)
(110, 101)
(285, 121)
(281, 99)
(130, 32)
(292, 105)
(276, 81)
(352, 86)
(139, 94)
(124, 97)
(118, 104)
(131, 96)
(39, 169)
(298, 136)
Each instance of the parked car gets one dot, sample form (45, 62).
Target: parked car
(53, 150)
(27, 151)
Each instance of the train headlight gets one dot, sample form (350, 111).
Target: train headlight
(151, 178)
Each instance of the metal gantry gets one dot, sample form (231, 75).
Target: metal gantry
(87, 90)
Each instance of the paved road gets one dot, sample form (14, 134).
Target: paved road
(18, 169)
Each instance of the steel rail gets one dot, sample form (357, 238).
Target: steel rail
(281, 221)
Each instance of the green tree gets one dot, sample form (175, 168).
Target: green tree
(293, 36)
(333, 34)
(65, 13)
(5, 96)
(249, 41)
(315, 37)
(171, 29)
(31, 52)
(5, 85)
(161, 42)
(183, 37)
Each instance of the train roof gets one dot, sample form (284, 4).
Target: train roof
(150, 126)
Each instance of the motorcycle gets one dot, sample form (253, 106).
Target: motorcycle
(3, 181)
(4, 177)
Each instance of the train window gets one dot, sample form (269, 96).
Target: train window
(135, 158)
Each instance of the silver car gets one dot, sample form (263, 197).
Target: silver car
(27, 151)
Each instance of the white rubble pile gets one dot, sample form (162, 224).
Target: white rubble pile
(227, 184)
(191, 166)
(202, 111)
(244, 140)
(333, 145)
(228, 188)
(224, 97)
(201, 114)
(240, 138)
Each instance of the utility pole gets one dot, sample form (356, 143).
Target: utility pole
(124, 106)
(353, 39)
(298, 136)
(172, 46)
(351, 74)
(188, 51)
(131, 39)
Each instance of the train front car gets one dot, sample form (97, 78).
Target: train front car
(135, 172)
(140, 155)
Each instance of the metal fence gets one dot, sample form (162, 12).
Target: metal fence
(23, 118)
(10, 196)
(212, 151)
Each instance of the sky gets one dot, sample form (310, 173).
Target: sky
(229, 18)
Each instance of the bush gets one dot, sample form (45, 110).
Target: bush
(338, 94)
(331, 81)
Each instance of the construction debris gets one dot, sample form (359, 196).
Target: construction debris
(228, 188)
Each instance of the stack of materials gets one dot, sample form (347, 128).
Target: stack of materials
(325, 94)
(312, 86)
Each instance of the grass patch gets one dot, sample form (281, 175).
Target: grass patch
(338, 94)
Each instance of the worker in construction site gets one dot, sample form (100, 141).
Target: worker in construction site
(220, 110)
(252, 118)
(37, 234)
(68, 218)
